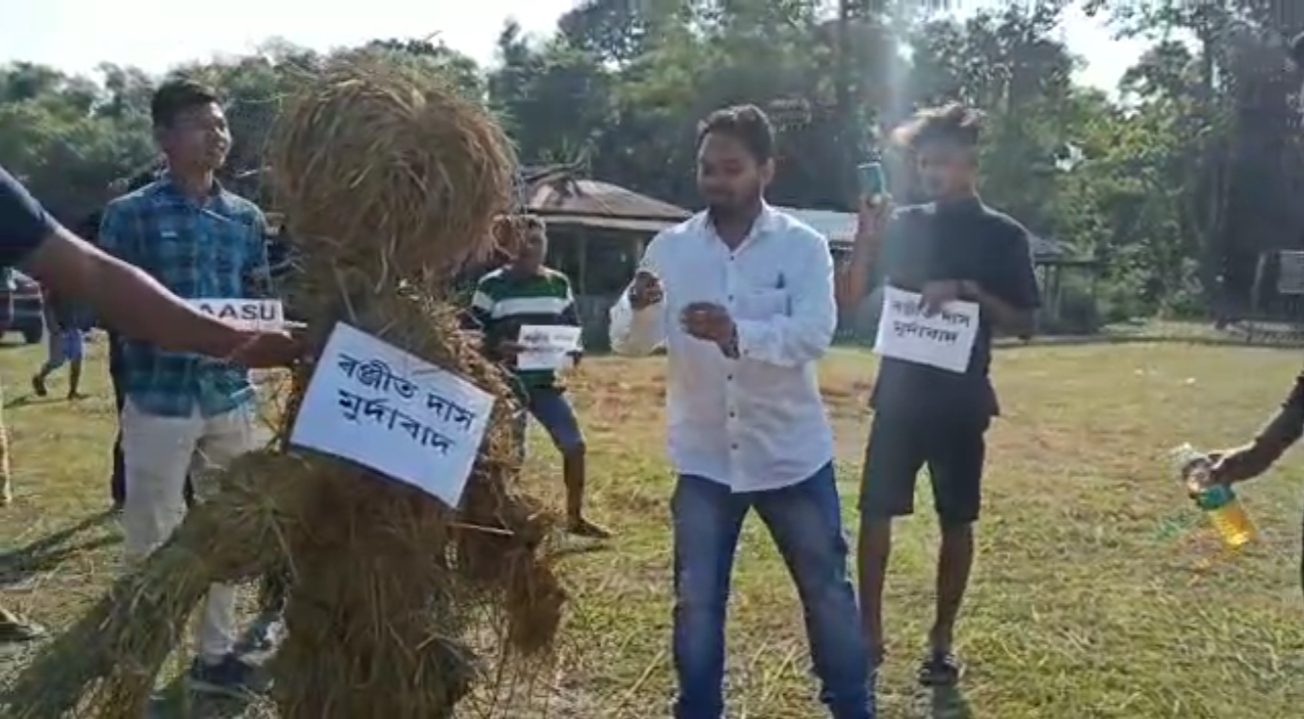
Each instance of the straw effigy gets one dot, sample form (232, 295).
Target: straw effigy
(390, 180)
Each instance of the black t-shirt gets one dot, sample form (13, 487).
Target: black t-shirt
(963, 240)
(23, 222)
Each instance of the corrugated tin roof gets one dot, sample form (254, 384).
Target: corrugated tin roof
(840, 228)
(570, 196)
(628, 224)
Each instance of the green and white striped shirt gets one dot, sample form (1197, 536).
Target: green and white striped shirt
(505, 301)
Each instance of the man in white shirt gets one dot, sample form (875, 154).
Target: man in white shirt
(742, 297)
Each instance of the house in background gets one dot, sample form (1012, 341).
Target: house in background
(596, 234)
(1054, 261)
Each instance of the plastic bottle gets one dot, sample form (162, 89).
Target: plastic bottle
(1218, 501)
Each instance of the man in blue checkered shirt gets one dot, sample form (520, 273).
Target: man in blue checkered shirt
(184, 412)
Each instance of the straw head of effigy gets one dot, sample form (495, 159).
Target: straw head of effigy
(389, 172)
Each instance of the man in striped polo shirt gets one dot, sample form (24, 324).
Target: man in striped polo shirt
(525, 292)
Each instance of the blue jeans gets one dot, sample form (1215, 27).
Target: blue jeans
(549, 406)
(806, 523)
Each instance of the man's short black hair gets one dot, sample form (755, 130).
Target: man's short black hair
(953, 123)
(176, 96)
(746, 123)
(1297, 51)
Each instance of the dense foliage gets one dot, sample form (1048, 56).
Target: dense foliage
(1178, 181)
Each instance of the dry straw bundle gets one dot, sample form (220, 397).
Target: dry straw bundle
(389, 180)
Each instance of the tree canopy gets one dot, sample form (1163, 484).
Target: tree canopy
(1177, 181)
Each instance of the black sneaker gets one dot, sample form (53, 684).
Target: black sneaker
(940, 669)
(38, 386)
(230, 677)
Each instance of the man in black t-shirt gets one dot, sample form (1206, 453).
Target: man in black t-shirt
(952, 249)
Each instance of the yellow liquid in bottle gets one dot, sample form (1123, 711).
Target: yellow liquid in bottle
(1232, 524)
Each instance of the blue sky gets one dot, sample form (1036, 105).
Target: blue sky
(75, 35)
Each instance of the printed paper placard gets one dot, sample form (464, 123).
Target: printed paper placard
(547, 346)
(944, 340)
(381, 407)
(245, 314)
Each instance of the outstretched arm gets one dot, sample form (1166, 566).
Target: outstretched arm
(1282, 430)
(130, 299)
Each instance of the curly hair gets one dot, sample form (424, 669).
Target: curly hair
(953, 123)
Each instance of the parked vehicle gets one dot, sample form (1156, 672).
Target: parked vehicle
(29, 307)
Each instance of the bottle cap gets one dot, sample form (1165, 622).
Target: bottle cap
(1184, 455)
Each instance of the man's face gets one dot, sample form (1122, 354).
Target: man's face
(729, 176)
(198, 138)
(532, 251)
(946, 169)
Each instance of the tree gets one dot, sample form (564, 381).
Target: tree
(1179, 181)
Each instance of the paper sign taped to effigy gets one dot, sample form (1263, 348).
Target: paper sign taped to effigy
(379, 406)
(547, 346)
(245, 314)
(944, 340)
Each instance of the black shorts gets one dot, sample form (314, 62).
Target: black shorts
(954, 451)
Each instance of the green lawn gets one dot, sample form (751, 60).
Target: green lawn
(1097, 594)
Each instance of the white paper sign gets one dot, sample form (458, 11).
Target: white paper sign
(381, 407)
(944, 340)
(245, 314)
(547, 346)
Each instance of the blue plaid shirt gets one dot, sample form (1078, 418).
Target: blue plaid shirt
(214, 250)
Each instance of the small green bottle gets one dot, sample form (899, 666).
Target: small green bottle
(1218, 501)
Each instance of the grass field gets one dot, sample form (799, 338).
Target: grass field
(1097, 594)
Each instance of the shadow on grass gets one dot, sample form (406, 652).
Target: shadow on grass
(176, 701)
(48, 552)
(18, 402)
(948, 703)
(32, 400)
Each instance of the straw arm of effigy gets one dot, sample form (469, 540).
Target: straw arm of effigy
(111, 657)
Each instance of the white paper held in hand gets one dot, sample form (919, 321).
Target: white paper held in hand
(944, 340)
(246, 314)
(379, 406)
(547, 346)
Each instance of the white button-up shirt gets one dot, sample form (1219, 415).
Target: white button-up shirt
(756, 422)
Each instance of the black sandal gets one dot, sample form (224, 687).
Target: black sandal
(940, 669)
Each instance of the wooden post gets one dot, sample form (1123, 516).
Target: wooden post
(582, 239)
